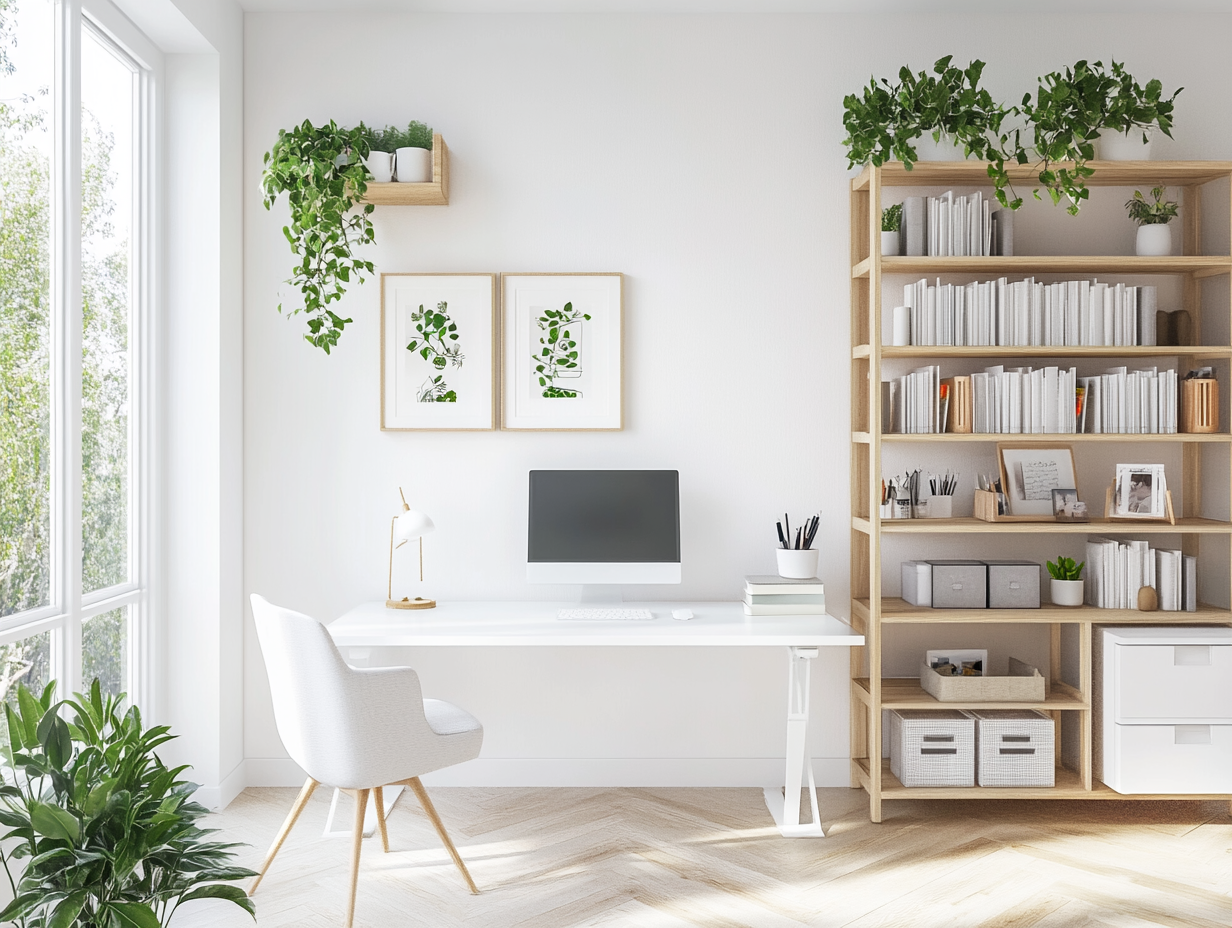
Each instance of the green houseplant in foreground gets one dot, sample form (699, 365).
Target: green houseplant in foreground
(321, 171)
(107, 833)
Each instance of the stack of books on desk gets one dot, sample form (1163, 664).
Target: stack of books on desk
(774, 595)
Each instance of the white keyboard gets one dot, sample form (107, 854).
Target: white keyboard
(604, 615)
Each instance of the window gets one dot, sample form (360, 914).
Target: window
(76, 84)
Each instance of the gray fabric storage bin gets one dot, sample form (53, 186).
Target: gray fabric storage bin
(960, 584)
(1014, 747)
(917, 588)
(1013, 584)
(932, 747)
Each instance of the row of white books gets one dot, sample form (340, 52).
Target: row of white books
(1030, 312)
(773, 595)
(1032, 401)
(962, 226)
(1117, 570)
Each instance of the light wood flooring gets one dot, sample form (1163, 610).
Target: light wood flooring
(671, 858)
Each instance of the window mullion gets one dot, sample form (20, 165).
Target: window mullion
(67, 315)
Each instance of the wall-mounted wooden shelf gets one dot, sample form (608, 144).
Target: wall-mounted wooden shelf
(434, 193)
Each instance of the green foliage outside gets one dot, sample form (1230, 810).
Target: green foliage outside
(98, 831)
(436, 343)
(558, 351)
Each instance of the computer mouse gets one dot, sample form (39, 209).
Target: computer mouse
(682, 614)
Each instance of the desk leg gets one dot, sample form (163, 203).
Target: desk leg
(784, 803)
(391, 796)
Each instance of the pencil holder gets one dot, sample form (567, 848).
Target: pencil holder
(940, 507)
(1199, 406)
(797, 564)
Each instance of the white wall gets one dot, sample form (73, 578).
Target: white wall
(702, 157)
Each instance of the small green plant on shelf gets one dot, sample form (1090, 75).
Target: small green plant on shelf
(103, 832)
(391, 138)
(892, 218)
(559, 353)
(1065, 568)
(436, 344)
(320, 169)
(1153, 212)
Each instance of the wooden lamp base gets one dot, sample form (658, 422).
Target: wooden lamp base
(415, 603)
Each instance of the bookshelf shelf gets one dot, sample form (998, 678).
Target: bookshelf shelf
(1205, 467)
(906, 693)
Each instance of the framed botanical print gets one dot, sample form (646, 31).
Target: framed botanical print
(562, 352)
(438, 351)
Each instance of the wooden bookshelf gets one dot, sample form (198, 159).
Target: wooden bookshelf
(1204, 464)
(433, 193)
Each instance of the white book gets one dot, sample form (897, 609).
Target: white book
(1189, 583)
(1131, 315)
(1118, 305)
(1148, 304)
(1097, 313)
(1109, 316)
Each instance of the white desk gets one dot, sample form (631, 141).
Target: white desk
(534, 624)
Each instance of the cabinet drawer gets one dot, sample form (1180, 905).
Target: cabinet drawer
(1173, 682)
(1170, 759)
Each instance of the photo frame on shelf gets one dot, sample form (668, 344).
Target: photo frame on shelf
(1067, 507)
(563, 352)
(1029, 474)
(1140, 492)
(438, 351)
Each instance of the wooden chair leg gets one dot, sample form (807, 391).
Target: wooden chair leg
(422, 795)
(379, 799)
(300, 801)
(357, 842)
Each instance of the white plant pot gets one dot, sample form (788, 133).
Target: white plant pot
(797, 565)
(1067, 592)
(380, 165)
(414, 165)
(889, 244)
(1154, 240)
(945, 150)
(1117, 146)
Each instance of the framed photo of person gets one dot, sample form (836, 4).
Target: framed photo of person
(1140, 491)
(1066, 507)
(1029, 474)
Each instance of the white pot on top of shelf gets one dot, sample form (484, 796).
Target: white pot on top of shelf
(380, 165)
(1154, 240)
(414, 165)
(1067, 592)
(1122, 146)
(928, 149)
(889, 244)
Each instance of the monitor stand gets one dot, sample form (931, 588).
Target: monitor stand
(603, 593)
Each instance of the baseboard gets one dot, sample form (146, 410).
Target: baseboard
(220, 796)
(593, 772)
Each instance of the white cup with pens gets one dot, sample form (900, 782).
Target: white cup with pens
(797, 558)
(941, 500)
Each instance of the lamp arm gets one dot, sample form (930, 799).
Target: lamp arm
(390, 593)
(421, 558)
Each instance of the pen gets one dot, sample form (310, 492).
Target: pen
(782, 540)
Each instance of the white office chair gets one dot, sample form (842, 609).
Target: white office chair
(355, 729)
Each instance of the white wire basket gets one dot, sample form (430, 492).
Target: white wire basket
(932, 747)
(1014, 747)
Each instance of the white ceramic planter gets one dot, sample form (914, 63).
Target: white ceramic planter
(889, 244)
(1154, 240)
(414, 165)
(1067, 592)
(1116, 146)
(380, 165)
(945, 150)
(797, 565)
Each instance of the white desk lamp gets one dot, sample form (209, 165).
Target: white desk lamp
(405, 526)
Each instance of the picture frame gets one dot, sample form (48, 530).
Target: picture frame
(1139, 491)
(1030, 472)
(439, 376)
(562, 352)
(1067, 507)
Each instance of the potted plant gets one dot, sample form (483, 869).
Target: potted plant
(891, 223)
(1132, 115)
(382, 144)
(321, 170)
(1152, 216)
(886, 119)
(1067, 584)
(107, 833)
(413, 147)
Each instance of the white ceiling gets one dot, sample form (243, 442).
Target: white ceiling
(738, 6)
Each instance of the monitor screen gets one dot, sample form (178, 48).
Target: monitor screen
(608, 517)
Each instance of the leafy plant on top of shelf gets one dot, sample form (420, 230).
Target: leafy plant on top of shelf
(885, 119)
(108, 834)
(321, 171)
(391, 138)
(1154, 212)
(1069, 110)
(1065, 569)
(892, 218)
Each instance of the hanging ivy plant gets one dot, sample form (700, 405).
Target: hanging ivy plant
(321, 171)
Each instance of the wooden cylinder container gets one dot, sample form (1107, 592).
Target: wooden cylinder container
(1199, 406)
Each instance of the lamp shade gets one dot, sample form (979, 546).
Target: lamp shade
(411, 524)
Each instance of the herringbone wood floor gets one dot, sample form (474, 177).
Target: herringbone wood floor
(671, 858)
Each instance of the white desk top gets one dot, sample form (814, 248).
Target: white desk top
(534, 624)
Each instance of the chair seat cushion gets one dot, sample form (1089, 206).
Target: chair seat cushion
(445, 718)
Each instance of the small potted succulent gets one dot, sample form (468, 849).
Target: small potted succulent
(891, 225)
(1067, 583)
(1152, 216)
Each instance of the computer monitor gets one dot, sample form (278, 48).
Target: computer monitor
(604, 527)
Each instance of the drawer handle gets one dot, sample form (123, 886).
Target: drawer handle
(1026, 739)
(956, 586)
(1191, 655)
(938, 750)
(939, 738)
(1191, 734)
(1018, 750)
